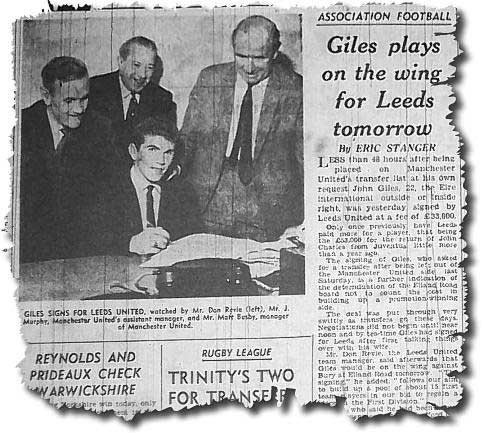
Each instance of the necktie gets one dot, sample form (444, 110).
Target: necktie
(151, 222)
(243, 144)
(132, 109)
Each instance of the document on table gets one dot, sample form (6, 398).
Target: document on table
(262, 258)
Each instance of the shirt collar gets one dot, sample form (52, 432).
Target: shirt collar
(241, 84)
(125, 92)
(140, 182)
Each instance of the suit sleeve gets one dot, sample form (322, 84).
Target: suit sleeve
(299, 140)
(193, 120)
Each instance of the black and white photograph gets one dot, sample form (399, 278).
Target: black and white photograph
(168, 140)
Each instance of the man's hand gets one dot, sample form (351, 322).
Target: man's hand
(150, 241)
(177, 170)
(298, 231)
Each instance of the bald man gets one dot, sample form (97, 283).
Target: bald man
(243, 138)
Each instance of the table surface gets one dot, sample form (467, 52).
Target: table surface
(81, 278)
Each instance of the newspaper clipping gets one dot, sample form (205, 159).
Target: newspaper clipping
(239, 204)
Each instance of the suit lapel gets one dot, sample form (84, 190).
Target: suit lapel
(41, 133)
(268, 110)
(116, 100)
(146, 102)
(225, 100)
(223, 104)
(165, 203)
(47, 139)
(128, 203)
(43, 140)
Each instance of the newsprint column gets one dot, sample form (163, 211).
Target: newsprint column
(385, 205)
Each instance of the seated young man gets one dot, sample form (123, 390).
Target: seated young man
(148, 207)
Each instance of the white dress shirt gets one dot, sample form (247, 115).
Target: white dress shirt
(240, 89)
(56, 129)
(126, 97)
(141, 183)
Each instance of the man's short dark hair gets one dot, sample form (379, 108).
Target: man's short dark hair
(154, 127)
(125, 48)
(259, 21)
(64, 69)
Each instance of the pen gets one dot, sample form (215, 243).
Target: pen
(296, 241)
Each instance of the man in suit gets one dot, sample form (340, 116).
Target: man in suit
(145, 210)
(65, 151)
(127, 96)
(243, 138)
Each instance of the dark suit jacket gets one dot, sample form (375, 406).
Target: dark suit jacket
(105, 98)
(115, 216)
(278, 162)
(55, 192)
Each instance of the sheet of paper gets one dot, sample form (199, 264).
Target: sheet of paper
(262, 258)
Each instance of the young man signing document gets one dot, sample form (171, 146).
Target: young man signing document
(148, 207)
